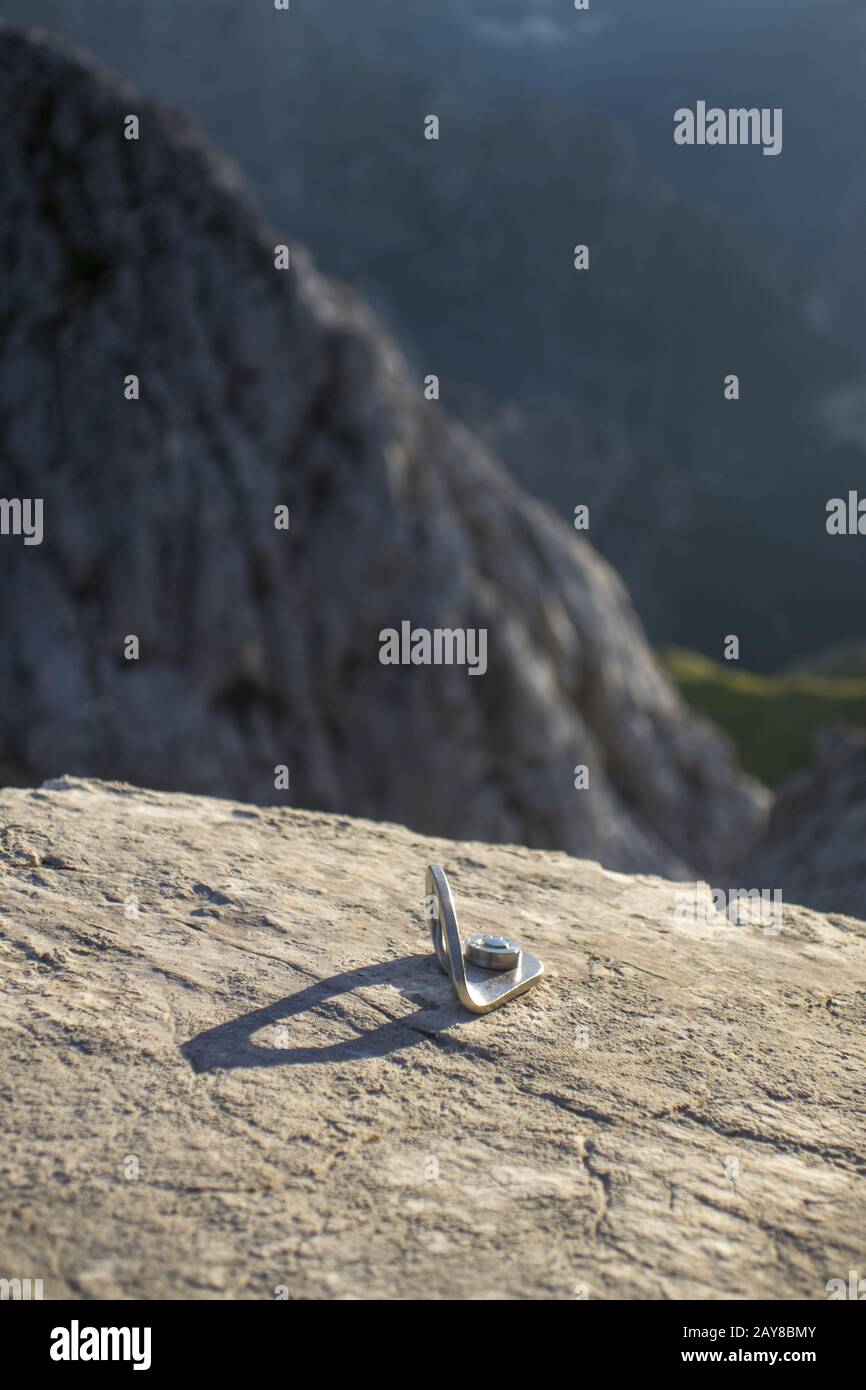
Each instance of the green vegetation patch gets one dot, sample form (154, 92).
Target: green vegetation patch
(771, 719)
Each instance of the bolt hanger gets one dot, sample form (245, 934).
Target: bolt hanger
(491, 969)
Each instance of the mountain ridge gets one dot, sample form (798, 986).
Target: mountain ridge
(259, 648)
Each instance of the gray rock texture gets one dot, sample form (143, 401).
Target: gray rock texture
(260, 647)
(233, 1068)
(815, 845)
(605, 387)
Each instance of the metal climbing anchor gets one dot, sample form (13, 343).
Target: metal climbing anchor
(491, 969)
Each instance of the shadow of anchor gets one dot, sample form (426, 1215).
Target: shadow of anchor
(231, 1044)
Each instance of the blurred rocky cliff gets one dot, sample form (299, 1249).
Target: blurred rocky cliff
(815, 843)
(259, 647)
(602, 387)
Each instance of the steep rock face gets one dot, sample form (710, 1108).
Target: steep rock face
(603, 387)
(815, 845)
(260, 647)
(233, 1068)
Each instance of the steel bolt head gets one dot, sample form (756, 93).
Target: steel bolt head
(492, 951)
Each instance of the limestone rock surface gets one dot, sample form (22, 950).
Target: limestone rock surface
(233, 1069)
